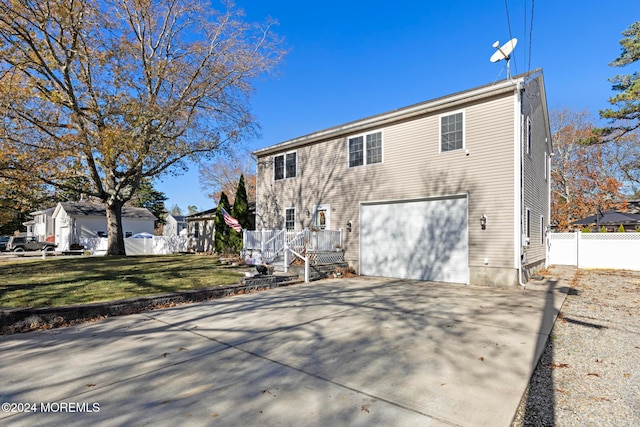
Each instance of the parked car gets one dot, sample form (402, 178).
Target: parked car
(21, 244)
(3, 243)
(142, 236)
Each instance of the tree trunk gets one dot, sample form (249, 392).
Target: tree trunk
(115, 236)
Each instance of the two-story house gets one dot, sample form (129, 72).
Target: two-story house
(455, 189)
(175, 225)
(41, 226)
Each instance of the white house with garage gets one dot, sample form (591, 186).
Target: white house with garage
(455, 189)
(79, 220)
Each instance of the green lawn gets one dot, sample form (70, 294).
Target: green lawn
(56, 282)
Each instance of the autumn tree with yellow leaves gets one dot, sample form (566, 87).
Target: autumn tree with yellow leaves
(115, 91)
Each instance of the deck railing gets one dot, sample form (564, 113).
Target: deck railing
(271, 243)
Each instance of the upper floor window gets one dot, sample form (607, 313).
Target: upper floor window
(285, 165)
(452, 132)
(365, 149)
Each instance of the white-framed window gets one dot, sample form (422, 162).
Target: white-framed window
(285, 165)
(452, 131)
(528, 135)
(290, 218)
(365, 149)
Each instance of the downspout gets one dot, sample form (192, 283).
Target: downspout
(520, 90)
(548, 230)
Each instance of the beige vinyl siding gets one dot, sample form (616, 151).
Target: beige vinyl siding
(535, 183)
(412, 167)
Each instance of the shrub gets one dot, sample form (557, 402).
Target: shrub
(621, 229)
(240, 211)
(221, 229)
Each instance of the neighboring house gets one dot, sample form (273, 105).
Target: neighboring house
(611, 221)
(201, 227)
(41, 226)
(76, 220)
(455, 189)
(175, 225)
(29, 225)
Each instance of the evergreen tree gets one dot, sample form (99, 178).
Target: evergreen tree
(622, 133)
(625, 116)
(175, 210)
(221, 229)
(240, 212)
(148, 197)
(75, 190)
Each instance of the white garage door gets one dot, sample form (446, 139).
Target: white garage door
(422, 239)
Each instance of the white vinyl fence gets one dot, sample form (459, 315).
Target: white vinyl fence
(595, 250)
(158, 245)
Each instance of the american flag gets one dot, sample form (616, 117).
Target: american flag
(231, 221)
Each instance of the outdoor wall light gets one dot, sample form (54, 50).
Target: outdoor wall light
(349, 226)
(483, 222)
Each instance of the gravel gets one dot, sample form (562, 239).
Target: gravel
(589, 373)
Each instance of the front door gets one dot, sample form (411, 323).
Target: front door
(321, 217)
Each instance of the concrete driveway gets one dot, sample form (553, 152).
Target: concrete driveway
(349, 352)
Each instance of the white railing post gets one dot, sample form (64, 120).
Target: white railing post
(315, 240)
(262, 242)
(286, 256)
(306, 268)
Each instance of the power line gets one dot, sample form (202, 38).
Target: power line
(530, 35)
(524, 30)
(506, 6)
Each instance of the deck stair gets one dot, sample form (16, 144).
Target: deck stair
(280, 248)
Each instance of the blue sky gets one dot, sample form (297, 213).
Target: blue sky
(351, 59)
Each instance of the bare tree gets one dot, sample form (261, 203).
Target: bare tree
(118, 90)
(223, 173)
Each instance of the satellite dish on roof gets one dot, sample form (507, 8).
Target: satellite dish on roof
(504, 52)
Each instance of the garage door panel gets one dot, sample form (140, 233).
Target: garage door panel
(424, 240)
